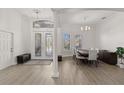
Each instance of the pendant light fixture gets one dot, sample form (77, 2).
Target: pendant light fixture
(36, 22)
(37, 12)
(85, 27)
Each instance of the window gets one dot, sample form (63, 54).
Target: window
(43, 24)
(49, 44)
(37, 44)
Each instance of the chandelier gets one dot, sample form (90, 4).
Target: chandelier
(36, 21)
(37, 12)
(85, 27)
(41, 21)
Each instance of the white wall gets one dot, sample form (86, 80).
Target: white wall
(110, 33)
(66, 26)
(106, 34)
(88, 38)
(12, 21)
(73, 30)
(26, 32)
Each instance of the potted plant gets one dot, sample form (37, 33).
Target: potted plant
(120, 53)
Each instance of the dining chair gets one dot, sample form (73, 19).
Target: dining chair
(79, 57)
(74, 54)
(93, 57)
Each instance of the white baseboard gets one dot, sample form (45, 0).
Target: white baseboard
(3, 67)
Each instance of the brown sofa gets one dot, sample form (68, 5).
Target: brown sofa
(107, 57)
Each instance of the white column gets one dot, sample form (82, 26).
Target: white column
(55, 56)
(55, 52)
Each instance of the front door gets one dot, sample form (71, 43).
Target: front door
(43, 46)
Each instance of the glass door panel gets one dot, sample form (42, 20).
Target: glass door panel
(49, 44)
(38, 39)
(43, 45)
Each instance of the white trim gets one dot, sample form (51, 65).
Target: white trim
(3, 67)
(3, 30)
(43, 29)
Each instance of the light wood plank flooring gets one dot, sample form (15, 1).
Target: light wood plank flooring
(70, 74)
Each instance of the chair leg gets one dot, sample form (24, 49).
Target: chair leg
(89, 62)
(96, 63)
(74, 58)
(77, 61)
(84, 61)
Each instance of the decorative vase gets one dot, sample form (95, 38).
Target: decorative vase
(120, 62)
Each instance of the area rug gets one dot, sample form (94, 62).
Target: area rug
(38, 62)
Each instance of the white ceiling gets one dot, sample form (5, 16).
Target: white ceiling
(63, 10)
(71, 15)
(45, 13)
(84, 17)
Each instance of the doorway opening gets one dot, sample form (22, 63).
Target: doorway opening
(43, 45)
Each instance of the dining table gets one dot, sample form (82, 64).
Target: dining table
(83, 52)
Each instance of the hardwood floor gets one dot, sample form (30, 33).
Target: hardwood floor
(70, 74)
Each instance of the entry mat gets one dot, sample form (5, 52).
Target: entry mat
(38, 62)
